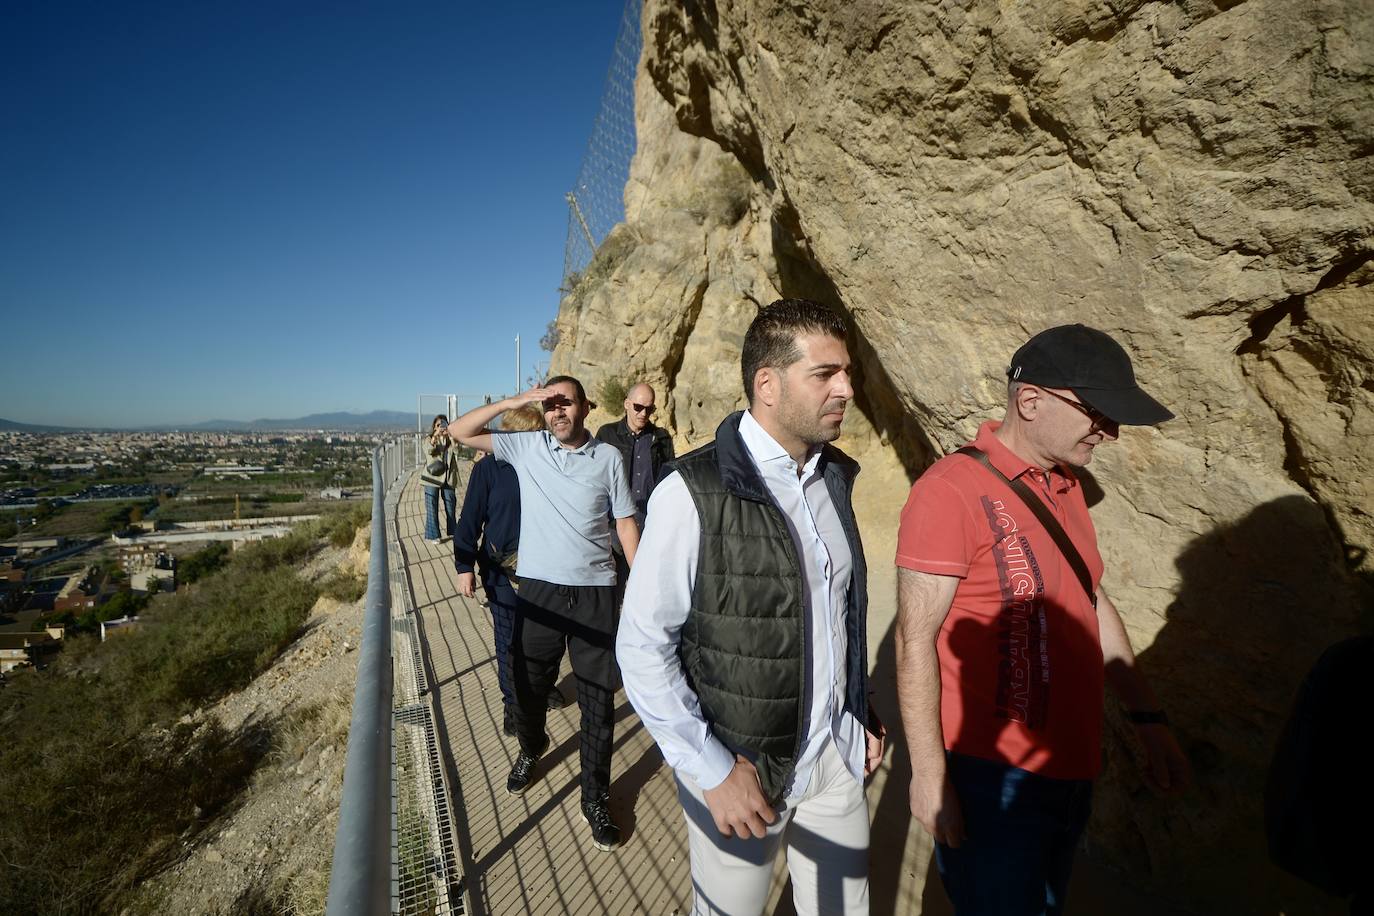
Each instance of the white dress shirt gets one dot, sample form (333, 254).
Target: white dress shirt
(658, 597)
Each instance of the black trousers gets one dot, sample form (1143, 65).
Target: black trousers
(580, 619)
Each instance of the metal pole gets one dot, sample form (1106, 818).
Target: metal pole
(360, 880)
(518, 387)
(581, 220)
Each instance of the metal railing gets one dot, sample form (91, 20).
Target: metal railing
(393, 459)
(392, 851)
(360, 878)
(425, 880)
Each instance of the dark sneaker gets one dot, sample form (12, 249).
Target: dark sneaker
(522, 771)
(556, 700)
(521, 774)
(605, 834)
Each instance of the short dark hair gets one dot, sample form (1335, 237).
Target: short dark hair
(772, 336)
(568, 379)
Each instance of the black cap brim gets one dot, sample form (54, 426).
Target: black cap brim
(1125, 406)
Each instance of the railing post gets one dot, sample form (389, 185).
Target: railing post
(360, 882)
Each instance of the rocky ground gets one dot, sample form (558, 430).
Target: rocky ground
(270, 852)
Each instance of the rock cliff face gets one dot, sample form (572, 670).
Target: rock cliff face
(1195, 178)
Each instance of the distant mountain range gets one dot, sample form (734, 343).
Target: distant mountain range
(340, 420)
(12, 426)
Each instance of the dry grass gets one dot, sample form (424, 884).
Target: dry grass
(344, 586)
(309, 726)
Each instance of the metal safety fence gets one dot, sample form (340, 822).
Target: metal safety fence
(394, 850)
(597, 200)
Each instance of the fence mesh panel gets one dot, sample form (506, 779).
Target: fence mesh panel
(425, 878)
(597, 201)
(425, 867)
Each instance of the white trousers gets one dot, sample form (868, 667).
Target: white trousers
(825, 834)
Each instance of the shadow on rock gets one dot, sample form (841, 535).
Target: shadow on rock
(1259, 601)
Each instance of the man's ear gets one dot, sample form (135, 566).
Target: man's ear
(766, 386)
(1027, 401)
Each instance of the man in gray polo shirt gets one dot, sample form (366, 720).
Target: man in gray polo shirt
(571, 484)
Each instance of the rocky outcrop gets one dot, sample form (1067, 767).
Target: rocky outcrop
(1194, 178)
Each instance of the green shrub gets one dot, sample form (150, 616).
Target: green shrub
(295, 548)
(203, 562)
(340, 525)
(344, 586)
(113, 779)
(611, 396)
(123, 604)
(108, 806)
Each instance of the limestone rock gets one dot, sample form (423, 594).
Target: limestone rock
(1193, 178)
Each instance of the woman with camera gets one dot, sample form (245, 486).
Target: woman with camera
(440, 477)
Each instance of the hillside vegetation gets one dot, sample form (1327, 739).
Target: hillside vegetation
(109, 772)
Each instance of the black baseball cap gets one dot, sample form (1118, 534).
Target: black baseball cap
(1091, 365)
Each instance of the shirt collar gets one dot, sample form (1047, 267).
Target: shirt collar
(1012, 465)
(764, 449)
(588, 447)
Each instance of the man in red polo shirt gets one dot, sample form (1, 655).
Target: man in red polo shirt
(1005, 638)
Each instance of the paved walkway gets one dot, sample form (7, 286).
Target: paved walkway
(533, 853)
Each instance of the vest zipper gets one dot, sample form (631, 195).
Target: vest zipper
(803, 706)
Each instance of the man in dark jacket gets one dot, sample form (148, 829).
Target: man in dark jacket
(491, 511)
(644, 447)
(743, 639)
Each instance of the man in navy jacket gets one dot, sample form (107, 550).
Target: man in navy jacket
(491, 513)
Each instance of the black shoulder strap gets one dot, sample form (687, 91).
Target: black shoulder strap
(1047, 519)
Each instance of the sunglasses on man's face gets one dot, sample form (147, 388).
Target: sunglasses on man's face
(646, 409)
(1098, 419)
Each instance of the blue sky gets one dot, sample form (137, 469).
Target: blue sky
(269, 209)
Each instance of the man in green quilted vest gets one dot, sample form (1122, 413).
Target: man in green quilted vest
(743, 640)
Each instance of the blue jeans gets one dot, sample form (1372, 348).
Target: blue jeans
(1021, 830)
(432, 511)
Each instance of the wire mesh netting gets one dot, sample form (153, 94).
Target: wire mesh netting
(597, 201)
(425, 866)
(426, 879)
(429, 406)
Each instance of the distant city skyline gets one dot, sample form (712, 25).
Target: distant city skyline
(267, 211)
